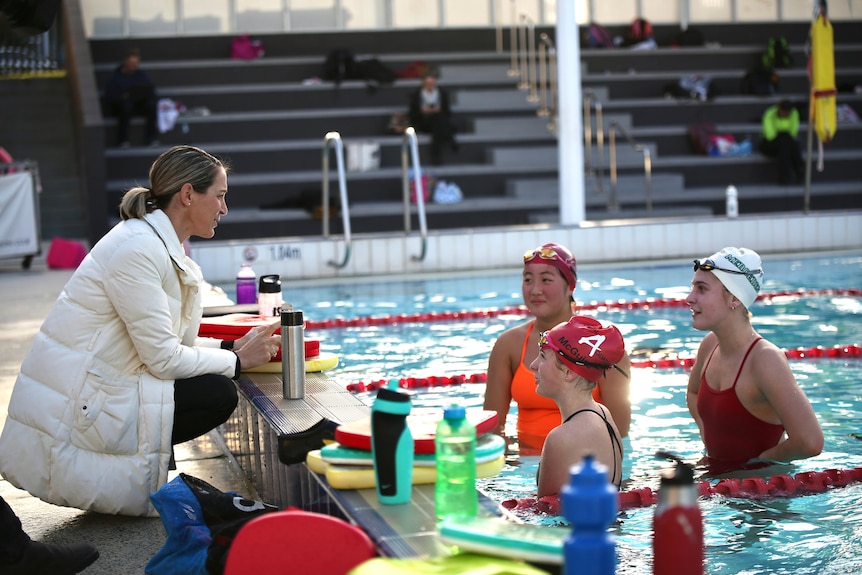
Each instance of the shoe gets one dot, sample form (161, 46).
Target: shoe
(46, 559)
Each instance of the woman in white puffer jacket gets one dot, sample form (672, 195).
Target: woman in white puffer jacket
(117, 373)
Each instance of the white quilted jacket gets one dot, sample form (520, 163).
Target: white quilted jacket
(91, 413)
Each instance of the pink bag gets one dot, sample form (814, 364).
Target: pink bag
(65, 254)
(242, 47)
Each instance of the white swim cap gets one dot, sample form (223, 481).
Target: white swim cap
(738, 269)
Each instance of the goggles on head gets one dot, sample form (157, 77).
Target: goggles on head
(709, 265)
(543, 253)
(545, 341)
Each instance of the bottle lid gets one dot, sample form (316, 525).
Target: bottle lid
(387, 394)
(269, 284)
(683, 474)
(291, 317)
(454, 412)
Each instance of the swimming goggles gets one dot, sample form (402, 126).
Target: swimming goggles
(544, 253)
(545, 341)
(709, 265)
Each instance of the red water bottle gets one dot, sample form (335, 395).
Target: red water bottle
(678, 525)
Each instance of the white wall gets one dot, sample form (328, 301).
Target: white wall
(305, 258)
(141, 18)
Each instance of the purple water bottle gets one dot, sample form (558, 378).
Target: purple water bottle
(246, 285)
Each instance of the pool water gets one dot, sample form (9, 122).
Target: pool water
(801, 535)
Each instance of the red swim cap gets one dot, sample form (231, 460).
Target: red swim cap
(557, 256)
(585, 346)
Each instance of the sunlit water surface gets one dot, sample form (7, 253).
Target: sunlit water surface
(811, 534)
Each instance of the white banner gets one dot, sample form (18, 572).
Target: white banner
(18, 229)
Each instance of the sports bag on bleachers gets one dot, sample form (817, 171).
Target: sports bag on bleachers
(599, 37)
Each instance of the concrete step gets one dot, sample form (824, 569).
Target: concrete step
(511, 127)
(486, 72)
(602, 214)
(504, 99)
(626, 156)
(627, 185)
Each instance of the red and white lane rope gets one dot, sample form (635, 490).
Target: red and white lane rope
(835, 352)
(805, 483)
(649, 303)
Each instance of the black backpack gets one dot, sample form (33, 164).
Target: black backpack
(760, 81)
(339, 65)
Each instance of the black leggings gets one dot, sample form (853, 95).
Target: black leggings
(201, 403)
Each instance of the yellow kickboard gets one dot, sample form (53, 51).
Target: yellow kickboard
(320, 362)
(823, 93)
(362, 477)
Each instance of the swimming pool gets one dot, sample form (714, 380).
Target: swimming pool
(810, 534)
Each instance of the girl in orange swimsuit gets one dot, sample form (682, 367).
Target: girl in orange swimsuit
(548, 283)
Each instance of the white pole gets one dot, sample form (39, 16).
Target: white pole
(569, 123)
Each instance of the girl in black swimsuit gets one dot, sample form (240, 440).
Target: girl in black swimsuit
(573, 356)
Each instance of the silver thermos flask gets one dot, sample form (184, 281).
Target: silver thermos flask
(292, 354)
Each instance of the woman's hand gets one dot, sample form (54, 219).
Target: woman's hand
(258, 345)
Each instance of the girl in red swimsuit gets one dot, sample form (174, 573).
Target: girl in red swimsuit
(741, 391)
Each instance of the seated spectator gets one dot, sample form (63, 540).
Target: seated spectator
(430, 113)
(780, 125)
(130, 91)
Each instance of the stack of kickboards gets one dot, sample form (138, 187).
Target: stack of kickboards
(347, 462)
(235, 325)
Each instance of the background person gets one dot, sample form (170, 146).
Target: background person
(130, 91)
(779, 127)
(741, 392)
(430, 113)
(547, 286)
(572, 357)
(116, 374)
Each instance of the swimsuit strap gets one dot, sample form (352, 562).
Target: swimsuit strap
(745, 357)
(709, 359)
(615, 442)
(526, 339)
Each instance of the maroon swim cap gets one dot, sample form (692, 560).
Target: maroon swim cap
(585, 346)
(557, 256)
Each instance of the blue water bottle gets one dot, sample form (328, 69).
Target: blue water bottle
(392, 445)
(590, 503)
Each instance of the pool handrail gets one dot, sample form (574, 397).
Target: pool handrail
(334, 139)
(410, 144)
(615, 127)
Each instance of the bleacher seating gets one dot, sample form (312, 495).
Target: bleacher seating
(268, 118)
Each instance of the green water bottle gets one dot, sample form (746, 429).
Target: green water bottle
(455, 453)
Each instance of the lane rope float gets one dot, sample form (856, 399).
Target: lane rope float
(777, 486)
(834, 352)
(649, 303)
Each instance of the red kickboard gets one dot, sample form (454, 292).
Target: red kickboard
(235, 325)
(423, 426)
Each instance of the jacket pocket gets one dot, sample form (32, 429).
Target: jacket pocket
(106, 417)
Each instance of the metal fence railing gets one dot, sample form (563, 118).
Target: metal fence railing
(25, 56)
